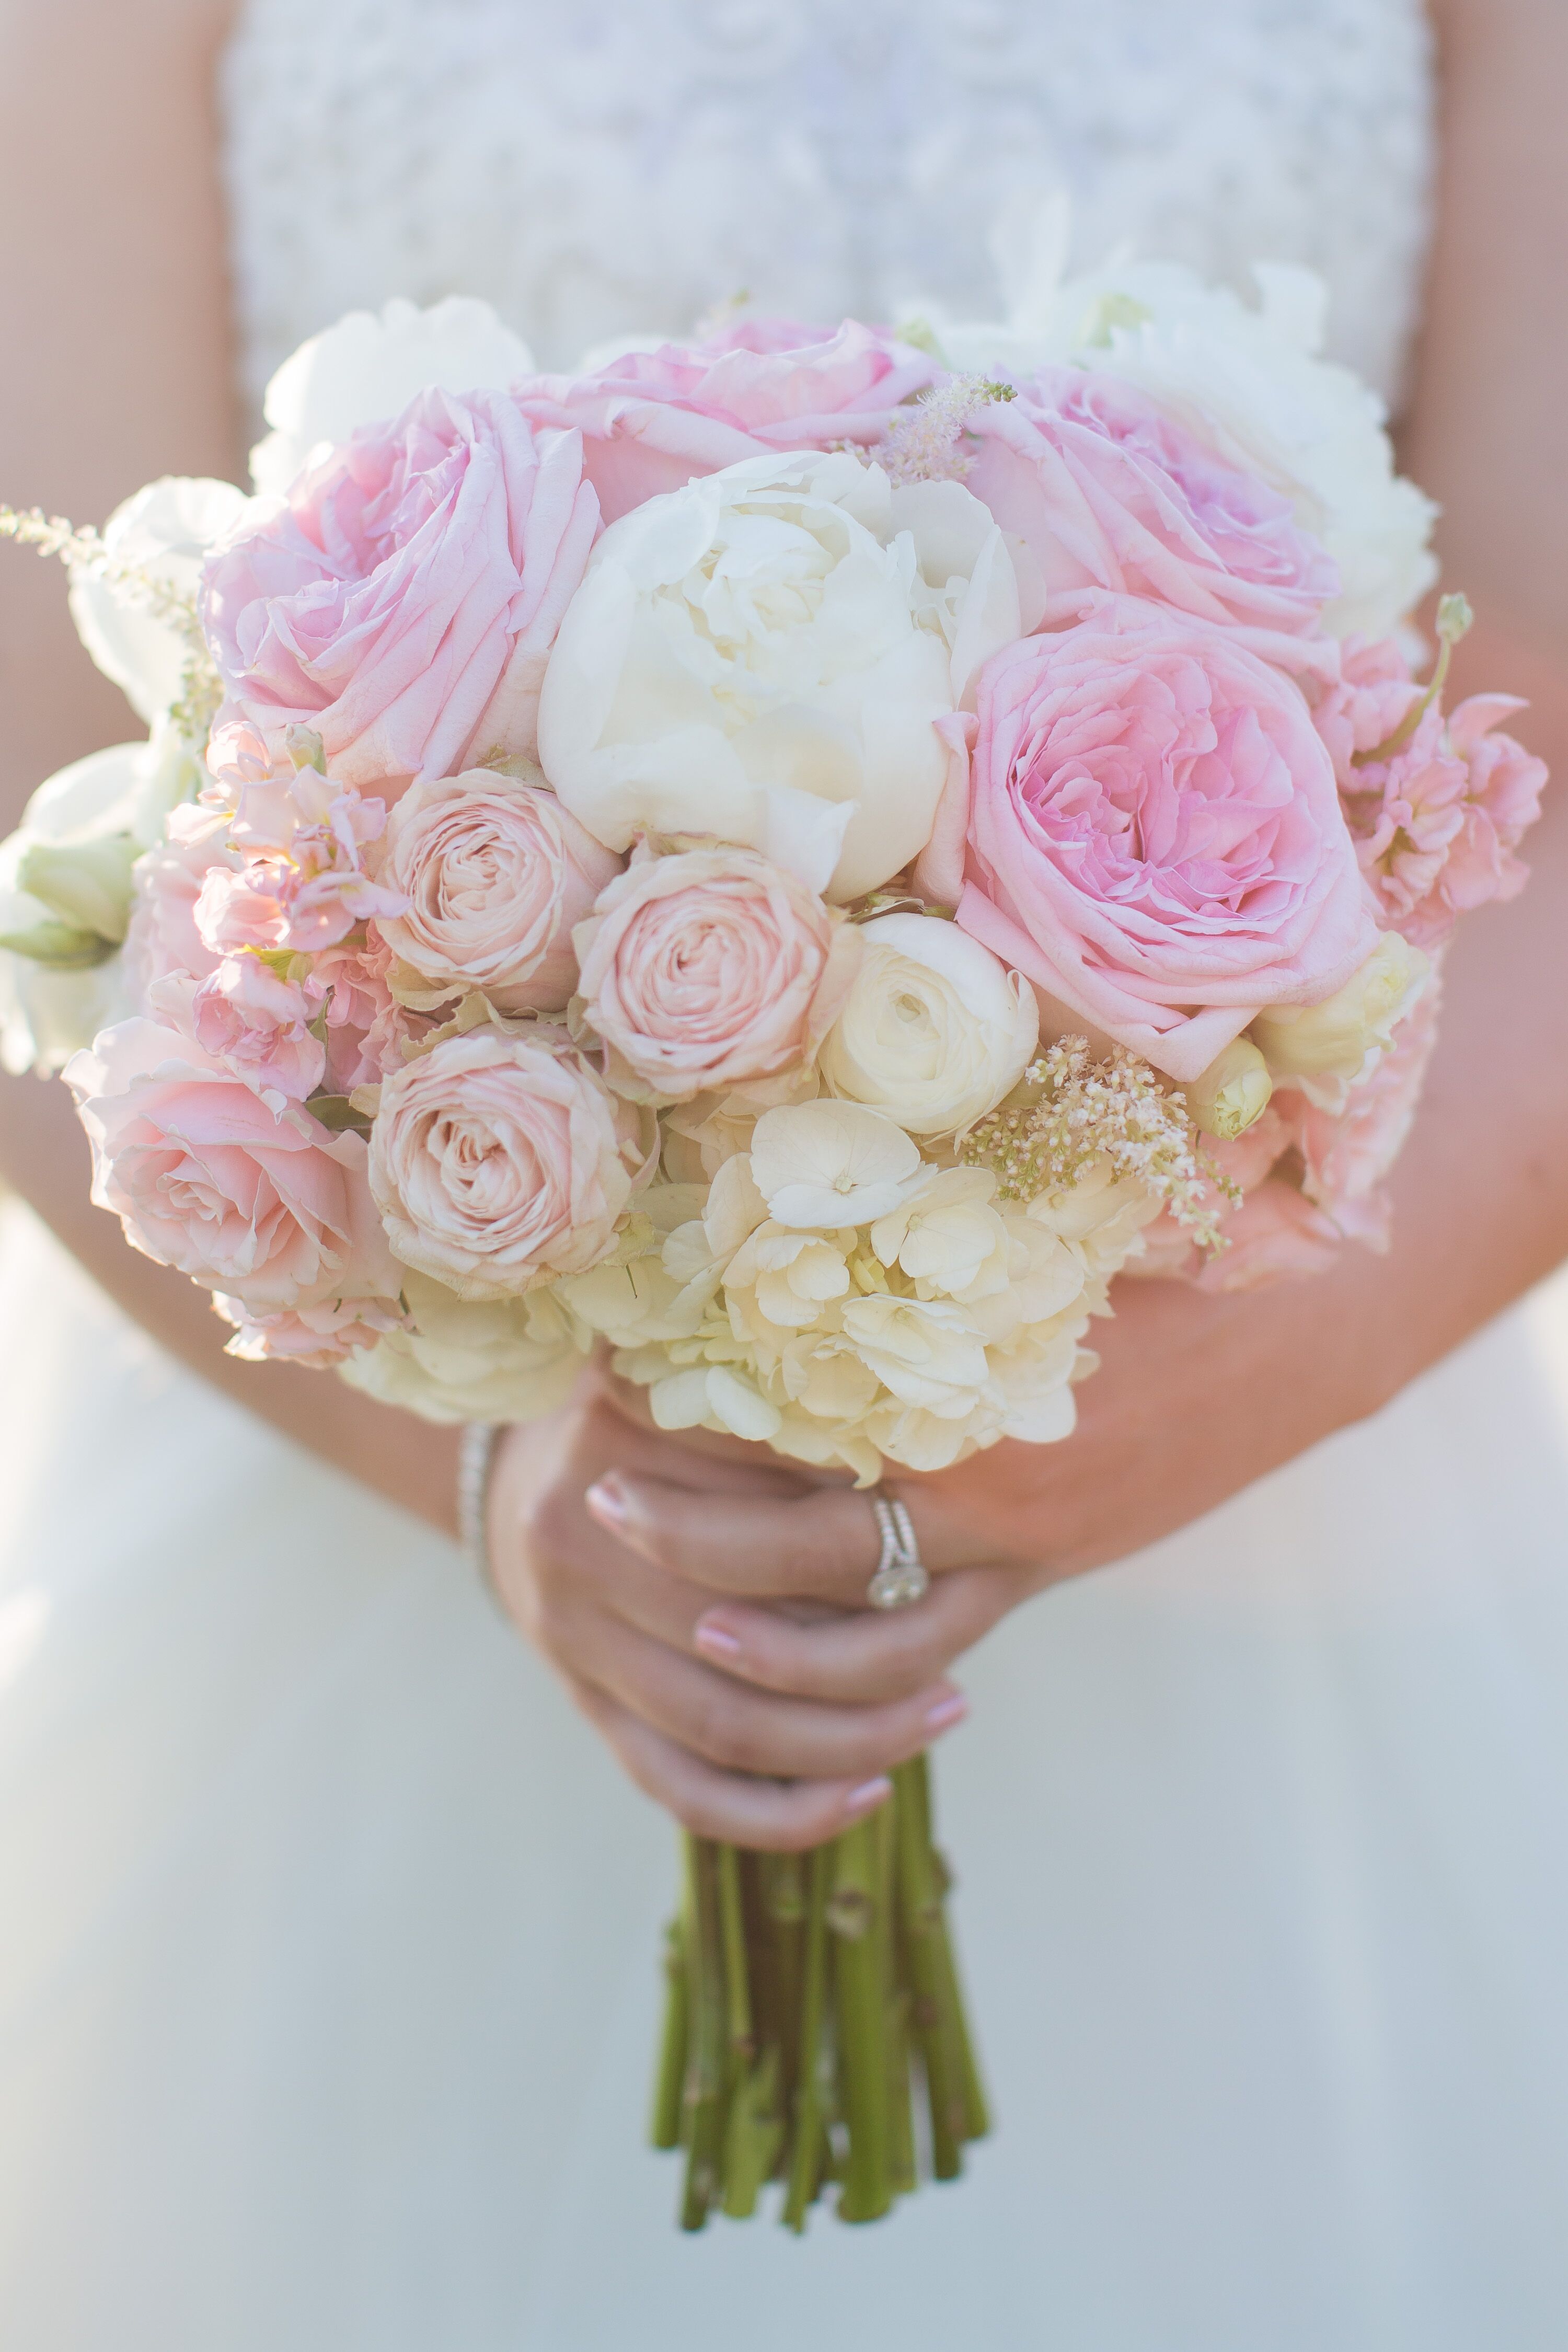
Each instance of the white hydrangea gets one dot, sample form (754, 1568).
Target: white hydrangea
(462, 1360)
(850, 1301)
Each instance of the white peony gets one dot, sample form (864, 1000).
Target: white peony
(763, 656)
(166, 529)
(1325, 1049)
(369, 367)
(1249, 381)
(498, 1359)
(936, 1029)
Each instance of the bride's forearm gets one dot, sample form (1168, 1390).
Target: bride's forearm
(43, 1156)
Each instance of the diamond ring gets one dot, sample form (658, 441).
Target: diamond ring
(901, 1576)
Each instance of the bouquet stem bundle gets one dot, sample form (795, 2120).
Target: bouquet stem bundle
(813, 2011)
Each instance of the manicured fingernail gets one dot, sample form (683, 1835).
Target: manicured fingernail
(947, 1712)
(608, 1503)
(714, 1642)
(870, 1794)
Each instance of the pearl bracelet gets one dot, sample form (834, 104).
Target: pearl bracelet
(476, 1454)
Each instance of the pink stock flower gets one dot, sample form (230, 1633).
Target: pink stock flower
(168, 881)
(367, 1029)
(501, 1161)
(404, 601)
(249, 1016)
(493, 873)
(260, 1203)
(705, 970)
(1156, 838)
(1111, 493)
(318, 1337)
(1437, 823)
(1276, 1236)
(1346, 1156)
(311, 895)
(652, 420)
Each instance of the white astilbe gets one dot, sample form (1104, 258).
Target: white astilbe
(921, 444)
(83, 551)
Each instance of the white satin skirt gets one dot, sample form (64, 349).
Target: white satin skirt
(329, 1933)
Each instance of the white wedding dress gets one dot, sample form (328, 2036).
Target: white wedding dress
(329, 1945)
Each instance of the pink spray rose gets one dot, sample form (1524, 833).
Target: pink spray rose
(493, 873)
(249, 1016)
(499, 1161)
(711, 968)
(652, 420)
(260, 1203)
(1111, 493)
(318, 1337)
(1156, 836)
(311, 894)
(404, 601)
(1436, 824)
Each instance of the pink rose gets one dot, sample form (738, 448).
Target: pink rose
(247, 1015)
(1437, 823)
(652, 420)
(499, 1162)
(404, 601)
(710, 969)
(310, 895)
(319, 1337)
(162, 936)
(1111, 493)
(493, 874)
(261, 1203)
(1156, 836)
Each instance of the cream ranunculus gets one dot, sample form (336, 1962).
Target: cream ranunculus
(1233, 1093)
(473, 1360)
(369, 367)
(1325, 1049)
(763, 656)
(936, 1030)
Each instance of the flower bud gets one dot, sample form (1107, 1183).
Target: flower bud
(86, 884)
(1232, 1092)
(1331, 1042)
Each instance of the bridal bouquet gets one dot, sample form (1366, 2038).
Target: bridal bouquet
(792, 861)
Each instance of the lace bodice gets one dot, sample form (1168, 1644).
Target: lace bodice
(625, 164)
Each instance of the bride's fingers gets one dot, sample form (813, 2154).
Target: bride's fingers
(743, 1729)
(775, 1816)
(860, 1659)
(822, 1546)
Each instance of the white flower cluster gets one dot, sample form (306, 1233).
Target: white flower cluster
(850, 1301)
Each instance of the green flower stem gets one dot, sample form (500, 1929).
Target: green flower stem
(807, 1997)
(857, 1913)
(804, 2177)
(704, 2097)
(671, 2079)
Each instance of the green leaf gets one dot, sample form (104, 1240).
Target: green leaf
(338, 1115)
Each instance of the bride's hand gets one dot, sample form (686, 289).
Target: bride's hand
(795, 1745)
